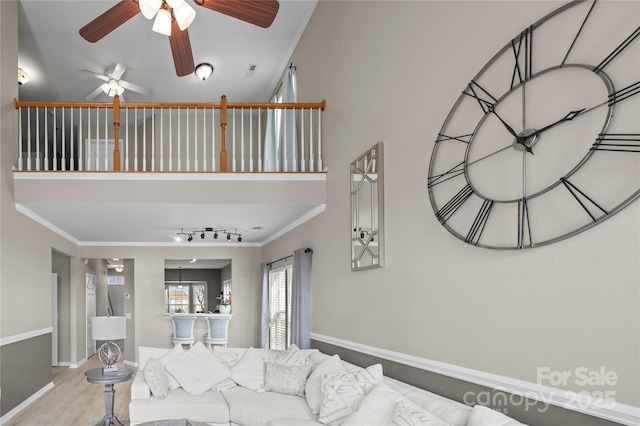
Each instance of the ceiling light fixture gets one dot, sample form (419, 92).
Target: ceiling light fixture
(189, 235)
(165, 11)
(162, 23)
(119, 268)
(203, 71)
(112, 88)
(23, 77)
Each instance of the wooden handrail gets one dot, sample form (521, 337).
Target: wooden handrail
(223, 105)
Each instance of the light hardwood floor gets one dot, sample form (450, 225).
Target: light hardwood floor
(73, 401)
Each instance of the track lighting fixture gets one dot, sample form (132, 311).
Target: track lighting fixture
(190, 234)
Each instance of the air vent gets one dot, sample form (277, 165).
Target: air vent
(251, 70)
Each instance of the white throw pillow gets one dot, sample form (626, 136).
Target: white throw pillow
(377, 408)
(313, 387)
(198, 370)
(175, 353)
(293, 356)
(411, 415)
(287, 379)
(485, 416)
(157, 378)
(341, 394)
(249, 371)
(228, 356)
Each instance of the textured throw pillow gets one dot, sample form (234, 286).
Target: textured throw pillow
(198, 370)
(341, 394)
(287, 379)
(313, 387)
(248, 372)
(485, 416)
(228, 356)
(157, 378)
(166, 359)
(293, 356)
(411, 415)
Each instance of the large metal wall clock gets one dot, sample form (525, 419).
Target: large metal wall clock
(543, 143)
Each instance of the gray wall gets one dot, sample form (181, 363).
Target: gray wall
(390, 72)
(210, 276)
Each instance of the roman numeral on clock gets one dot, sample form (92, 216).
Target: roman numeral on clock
(473, 237)
(583, 199)
(617, 142)
(454, 204)
(524, 226)
(455, 171)
(617, 51)
(522, 47)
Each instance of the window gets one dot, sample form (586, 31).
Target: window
(280, 307)
(185, 298)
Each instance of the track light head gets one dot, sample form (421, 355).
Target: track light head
(239, 238)
(202, 235)
(215, 235)
(190, 238)
(228, 237)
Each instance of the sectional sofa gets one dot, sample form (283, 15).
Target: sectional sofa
(254, 387)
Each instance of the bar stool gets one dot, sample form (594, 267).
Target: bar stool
(218, 325)
(183, 329)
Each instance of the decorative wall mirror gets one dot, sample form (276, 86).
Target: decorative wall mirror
(367, 210)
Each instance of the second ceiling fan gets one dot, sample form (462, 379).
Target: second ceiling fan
(174, 16)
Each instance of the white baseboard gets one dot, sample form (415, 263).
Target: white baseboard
(612, 411)
(78, 364)
(25, 403)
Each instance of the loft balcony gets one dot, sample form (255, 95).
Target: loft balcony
(243, 166)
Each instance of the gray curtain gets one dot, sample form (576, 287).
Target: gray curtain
(264, 308)
(301, 298)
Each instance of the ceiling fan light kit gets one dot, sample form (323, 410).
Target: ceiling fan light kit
(178, 13)
(162, 23)
(184, 15)
(203, 71)
(149, 8)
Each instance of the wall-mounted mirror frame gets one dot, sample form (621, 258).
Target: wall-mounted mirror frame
(367, 210)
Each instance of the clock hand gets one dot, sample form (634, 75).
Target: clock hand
(568, 117)
(529, 137)
(509, 128)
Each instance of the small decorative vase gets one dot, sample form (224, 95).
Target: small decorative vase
(224, 309)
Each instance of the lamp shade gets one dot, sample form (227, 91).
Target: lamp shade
(109, 328)
(162, 23)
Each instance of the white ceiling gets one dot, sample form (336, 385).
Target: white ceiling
(52, 51)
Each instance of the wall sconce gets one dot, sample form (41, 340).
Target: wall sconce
(203, 71)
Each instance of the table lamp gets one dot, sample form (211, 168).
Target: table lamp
(109, 329)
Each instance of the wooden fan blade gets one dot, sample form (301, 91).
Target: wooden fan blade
(133, 87)
(181, 50)
(110, 20)
(257, 12)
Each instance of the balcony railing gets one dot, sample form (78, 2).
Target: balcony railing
(170, 137)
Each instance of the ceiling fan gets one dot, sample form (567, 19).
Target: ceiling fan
(113, 85)
(175, 16)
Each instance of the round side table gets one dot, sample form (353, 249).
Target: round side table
(108, 379)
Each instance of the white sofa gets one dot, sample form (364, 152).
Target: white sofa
(254, 387)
